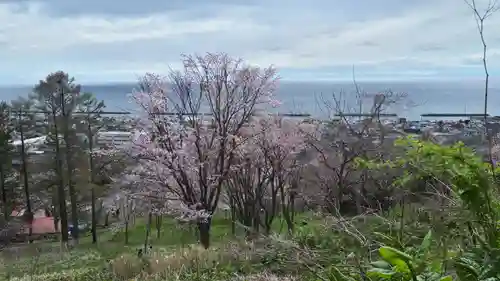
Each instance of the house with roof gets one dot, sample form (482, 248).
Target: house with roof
(42, 223)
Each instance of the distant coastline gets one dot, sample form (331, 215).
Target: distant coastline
(308, 97)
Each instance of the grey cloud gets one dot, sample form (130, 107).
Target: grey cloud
(275, 49)
(306, 55)
(429, 48)
(289, 33)
(125, 7)
(472, 62)
(493, 39)
(368, 44)
(153, 50)
(492, 57)
(358, 9)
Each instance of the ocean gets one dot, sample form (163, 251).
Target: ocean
(311, 97)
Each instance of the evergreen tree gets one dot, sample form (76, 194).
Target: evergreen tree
(6, 151)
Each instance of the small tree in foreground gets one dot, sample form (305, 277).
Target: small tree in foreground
(189, 159)
(269, 167)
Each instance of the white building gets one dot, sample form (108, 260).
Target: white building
(39, 145)
(31, 141)
(35, 145)
(113, 138)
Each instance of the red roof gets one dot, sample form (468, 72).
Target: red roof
(16, 213)
(40, 225)
(43, 225)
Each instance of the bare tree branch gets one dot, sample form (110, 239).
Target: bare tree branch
(480, 17)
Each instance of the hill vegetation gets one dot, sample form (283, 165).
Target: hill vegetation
(235, 195)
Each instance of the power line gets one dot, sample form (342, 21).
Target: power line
(160, 113)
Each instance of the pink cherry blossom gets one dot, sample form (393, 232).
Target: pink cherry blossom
(270, 162)
(186, 157)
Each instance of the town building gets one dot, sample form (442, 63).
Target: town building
(117, 139)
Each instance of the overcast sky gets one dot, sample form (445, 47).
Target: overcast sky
(104, 40)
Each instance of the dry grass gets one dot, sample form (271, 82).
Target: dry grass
(264, 277)
(194, 258)
(127, 266)
(181, 260)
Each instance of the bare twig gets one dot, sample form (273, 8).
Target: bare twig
(480, 17)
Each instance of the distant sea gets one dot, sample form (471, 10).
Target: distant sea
(309, 97)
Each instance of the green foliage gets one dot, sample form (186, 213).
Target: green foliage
(414, 264)
(464, 176)
(457, 169)
(6, 150)
(56, 92)
(407, 243)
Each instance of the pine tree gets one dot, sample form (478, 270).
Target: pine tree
(6, 151)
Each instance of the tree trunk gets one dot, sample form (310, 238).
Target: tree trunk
(56, 223)
(71, 186)
(106, 219)
(94, 217)
(24, 174)
(148, 231)
(61, 193)
(232, 209)
(74, 211)
(288, 205)
(6, 211)
(204, 232)
(233, 222)
(288, 215)
(91, 179)
(126, 232)
(54, 211)
(69, 166)
(158, 226)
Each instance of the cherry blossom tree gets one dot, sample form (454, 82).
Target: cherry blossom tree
(266, 181)
(184, 157)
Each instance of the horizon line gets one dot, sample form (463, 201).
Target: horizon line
(292, 81)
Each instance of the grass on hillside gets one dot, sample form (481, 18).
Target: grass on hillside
(319, 244)
(175, 240)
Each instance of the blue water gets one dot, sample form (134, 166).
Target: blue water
(304, 97)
